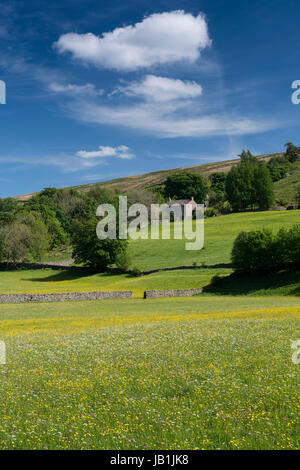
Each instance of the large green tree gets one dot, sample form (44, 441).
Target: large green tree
(249, 184)
(93, 252)
(186, 185)
(24, 239)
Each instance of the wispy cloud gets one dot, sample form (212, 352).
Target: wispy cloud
(169, 119)
(73, 89)
(122, 152)
(160, 38)
(152, 87)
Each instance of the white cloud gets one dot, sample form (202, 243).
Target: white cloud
(170, 119)
(88, 89)
(122, 152)
(159, 39)
(156, 88)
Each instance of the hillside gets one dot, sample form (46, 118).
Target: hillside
(220, 233)
(154, 178)
(286, 188)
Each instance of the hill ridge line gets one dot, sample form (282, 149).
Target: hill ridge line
(154, 178)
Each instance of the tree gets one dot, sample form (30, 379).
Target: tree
(292, 152)
(9, 207)
(24, 239)
(247, 157)
(239, 187)
(217, 182)
(93, 252)
(249, 184)
(278, 168)
(138, 196)
(263, 185)
(15, 242)
(52, 214)
(186, 185)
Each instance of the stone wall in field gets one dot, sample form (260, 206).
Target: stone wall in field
(151, 294)
(63, 297)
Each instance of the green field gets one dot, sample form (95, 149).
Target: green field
(199, 373)
(213, 371)
(219, 233)
(48, 280)
(148, 254)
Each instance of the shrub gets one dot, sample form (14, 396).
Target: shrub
(136, 272)
(225, 208)
(215, 199)
(253, 251)
(211, 212)
(262, 251)
(288, 247)
(282, 202)
(123, 261)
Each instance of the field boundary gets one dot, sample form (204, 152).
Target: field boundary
(86, 269)
(152, 294)
(64, 297)
(177, 268)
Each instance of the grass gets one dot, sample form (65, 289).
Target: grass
(219, 233)
(50, 281)
(281, 283)
(58, 254)
(285, 189)
(198, 373)
(149, 254)
(207, 372)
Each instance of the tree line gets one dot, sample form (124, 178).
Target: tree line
(61, 218)
(248, 185)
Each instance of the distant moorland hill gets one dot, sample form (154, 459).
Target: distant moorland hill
(283, 188)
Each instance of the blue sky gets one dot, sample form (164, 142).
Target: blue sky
(99, 90)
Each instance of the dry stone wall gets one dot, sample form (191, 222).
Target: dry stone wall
(151, 294)
(63, 297)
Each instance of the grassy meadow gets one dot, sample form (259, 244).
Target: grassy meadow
(149, 254)
(212, 371)
(49, 280)
(219, 234)
(196, 373)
